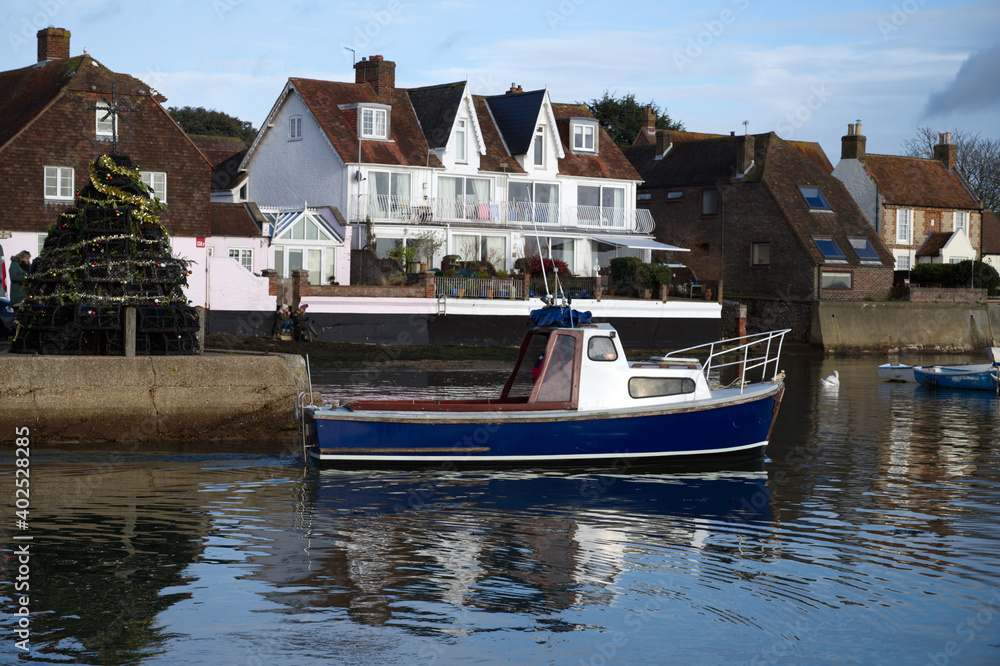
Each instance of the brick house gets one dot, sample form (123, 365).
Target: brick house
(50, 131)
(762, 216)
(480, 173)
(991, 239)
(923, 208)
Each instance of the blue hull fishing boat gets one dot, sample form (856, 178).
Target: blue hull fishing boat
(971, 376)
(571, 399)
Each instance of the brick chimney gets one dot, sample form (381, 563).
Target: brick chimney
(380, 74)
(744, 152)
(664, 139)
(650, 123)
(53, 44)
(852, 146)
(946, 151)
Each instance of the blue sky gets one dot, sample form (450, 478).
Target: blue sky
(803, 70)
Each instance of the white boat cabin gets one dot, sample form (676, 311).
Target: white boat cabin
(585, 369)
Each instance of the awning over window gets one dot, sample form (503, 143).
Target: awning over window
(638, 242)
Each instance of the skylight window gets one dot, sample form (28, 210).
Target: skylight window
(814, 198)
(863, 248)
(831, 251)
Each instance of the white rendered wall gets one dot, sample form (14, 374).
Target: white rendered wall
(185, 247)
(861, 188)
(289, 173)
(232, 287)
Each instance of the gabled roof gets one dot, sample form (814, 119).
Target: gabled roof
(324, 216)
(26, 92)
(516, 117)
(436, 108)
(991, 232)
(919, 182)
(609, 162)
(779, 167)
(232, 219)
(496, 158)
(934, 243)
(407, 145)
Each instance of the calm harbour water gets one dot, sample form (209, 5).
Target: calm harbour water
(869, 534)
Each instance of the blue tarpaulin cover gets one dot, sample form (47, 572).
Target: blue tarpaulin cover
(559, 317)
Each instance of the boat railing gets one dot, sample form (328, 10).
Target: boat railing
(748, 354)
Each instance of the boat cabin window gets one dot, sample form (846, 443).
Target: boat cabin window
(602, 349)
(654, 387)
(526, 374)
(557, 374)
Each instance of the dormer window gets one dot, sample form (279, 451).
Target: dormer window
(295, 128)
(540, 146)
(374, 123)
(584, 136)
(105, 125)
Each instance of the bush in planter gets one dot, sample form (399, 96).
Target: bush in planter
(482, 275)
(654, 275)
(450, 272)
(405, 255)
(624, 275)
(396, 279)
(503, 275)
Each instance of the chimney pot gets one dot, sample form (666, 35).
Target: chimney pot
(850, 129)
(53, 44)
(852, 146)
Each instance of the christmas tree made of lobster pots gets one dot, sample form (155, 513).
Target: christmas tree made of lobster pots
(108, 253)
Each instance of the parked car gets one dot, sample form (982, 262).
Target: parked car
(6, 318)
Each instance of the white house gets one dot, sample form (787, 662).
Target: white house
(495, 178)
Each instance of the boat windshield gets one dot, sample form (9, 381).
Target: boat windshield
(527, 373)
(557, 375)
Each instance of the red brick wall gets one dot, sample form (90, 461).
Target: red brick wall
(65, 135)
(949, 295)
(866, 282)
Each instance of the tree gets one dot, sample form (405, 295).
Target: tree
(978, 160)
(624, 117)
(199, 120)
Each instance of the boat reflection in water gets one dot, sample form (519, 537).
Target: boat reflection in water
(426, 549)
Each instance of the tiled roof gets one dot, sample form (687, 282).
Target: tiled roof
(935, 241)
(991, 232)
(25, 92)
(407, 146)
(917, 181)
(218, 148)
(496, 157)
(516, 117)
(610, 162)
(780, 167)
(815, 153)
(436, 107)
(231, 219)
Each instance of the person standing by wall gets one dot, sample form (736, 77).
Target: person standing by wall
(19, 265)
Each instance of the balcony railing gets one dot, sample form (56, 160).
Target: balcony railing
(458, 287)
(501, 214)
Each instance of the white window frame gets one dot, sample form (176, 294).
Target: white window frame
(581, 133)
(828, 277)
(54, 185)
(295, 128)
(106, 127)
(962, 221)
(374, 123)
(904, 220)
(460, 141)
(539, 146)
(244, 255)
(903, 261)
(157, 180)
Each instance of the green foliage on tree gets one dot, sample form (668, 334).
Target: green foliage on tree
(623, 117)
(933, 274)
(199, 120)
(963, 274)
(654, 275)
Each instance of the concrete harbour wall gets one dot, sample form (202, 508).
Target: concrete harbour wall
(869, 326)
(118, 399)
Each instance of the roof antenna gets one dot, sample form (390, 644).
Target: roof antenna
(354, 55)
(746, 127)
